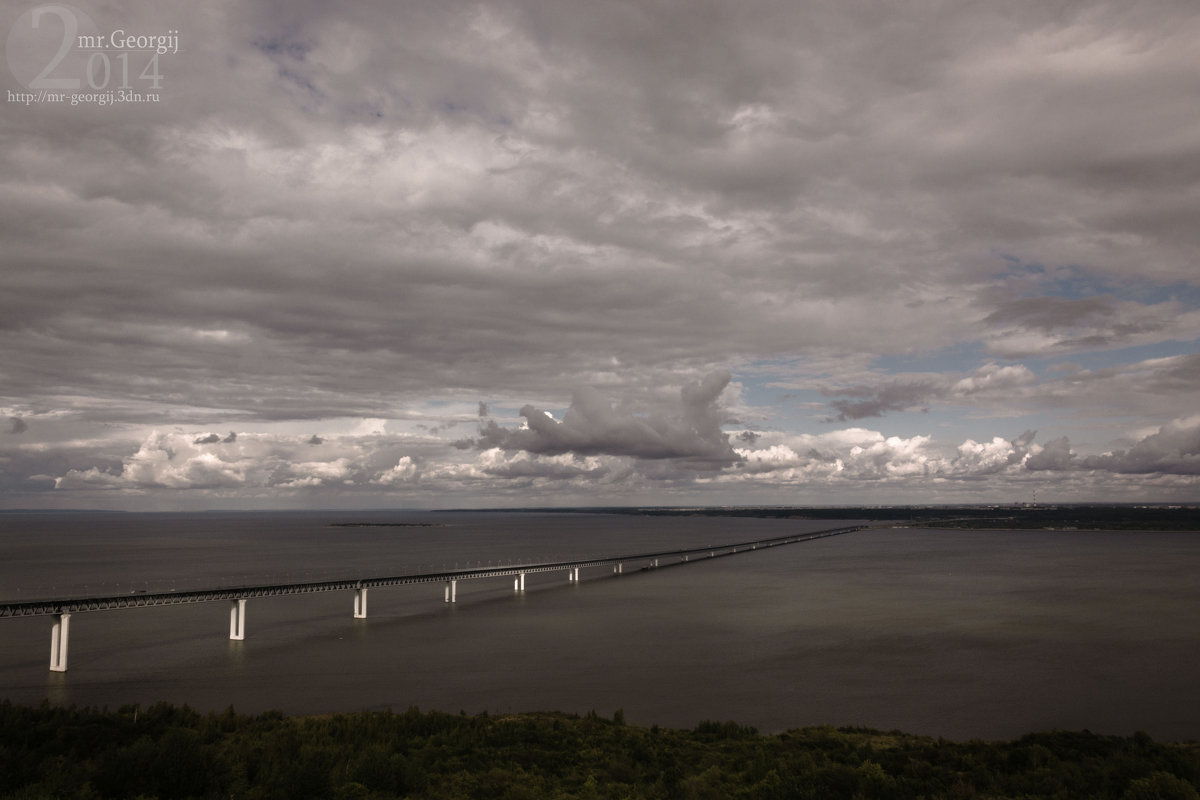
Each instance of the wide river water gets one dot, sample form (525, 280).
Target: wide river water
(962, 634)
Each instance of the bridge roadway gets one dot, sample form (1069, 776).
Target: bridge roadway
(62, 608)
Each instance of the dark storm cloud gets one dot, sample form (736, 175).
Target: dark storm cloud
(1157, 387)
(689, 429)
(1034, 325)
(214, 438)
(875, 401)
(1050, 313)
(1173, 450)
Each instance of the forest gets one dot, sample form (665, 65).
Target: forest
(167, 751)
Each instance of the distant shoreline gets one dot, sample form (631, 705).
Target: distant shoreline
(1049, 517)
(386, 525)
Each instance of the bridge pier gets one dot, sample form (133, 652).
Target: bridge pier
(58, 642)
(573, 575)
(519, 582)
(360, 602)
(451, 591)
(237, 619)
(617, 569)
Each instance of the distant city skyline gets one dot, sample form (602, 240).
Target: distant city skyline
(435, 254)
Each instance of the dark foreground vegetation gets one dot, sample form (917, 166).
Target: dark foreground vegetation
(170, 752)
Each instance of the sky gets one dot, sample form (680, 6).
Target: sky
(445, 254)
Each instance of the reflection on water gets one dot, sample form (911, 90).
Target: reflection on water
(954, 633)
(58, 688)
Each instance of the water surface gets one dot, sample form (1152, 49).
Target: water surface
(962, 634)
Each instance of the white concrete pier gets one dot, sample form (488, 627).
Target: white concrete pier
(58, 642)
(360, 603)
(237, 619)
(451, 591)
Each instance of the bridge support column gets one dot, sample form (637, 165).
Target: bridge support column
(451, 591)
(617, 569)
(237, 619)
(360, 602)
(58, 642)
(519, 582)
(573, 575)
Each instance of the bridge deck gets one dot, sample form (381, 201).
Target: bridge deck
(136, 600)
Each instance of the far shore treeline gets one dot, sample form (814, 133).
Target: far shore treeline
(174, 752)
(1051, 516)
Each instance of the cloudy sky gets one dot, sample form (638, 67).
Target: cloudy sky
(440, 254)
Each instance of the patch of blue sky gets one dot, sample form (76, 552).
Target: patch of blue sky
(947, 424)
(959, 358)
(510, 415)
(1184, 293)
(1074, 282)
(759, 392)
(803, 405)
(293, 77)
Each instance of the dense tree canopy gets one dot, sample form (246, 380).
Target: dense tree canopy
(173, 752)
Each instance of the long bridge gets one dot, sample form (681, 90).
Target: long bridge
(61, 609)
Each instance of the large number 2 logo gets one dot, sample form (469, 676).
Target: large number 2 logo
(70, 31)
